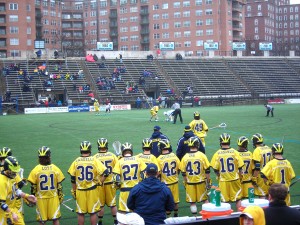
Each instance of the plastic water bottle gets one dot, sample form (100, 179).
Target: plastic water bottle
(218, 197)
(251, 194)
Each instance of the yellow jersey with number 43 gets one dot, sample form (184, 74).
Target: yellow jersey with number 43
(46, 179)
(129, 168)
(193, 165)
(87, 172)
(109, 159)
(169, 165)
(227, 162)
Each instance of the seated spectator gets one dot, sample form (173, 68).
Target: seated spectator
(91, 95)
(102, 65)
(95, 57)
(59, 103)
(102, 57)
(38, 53)
(55, 54)
(80, 74)
(80, 89)
(178, 56)
(26, 88)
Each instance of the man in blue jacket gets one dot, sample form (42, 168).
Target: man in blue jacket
(156, 137)
(151, 199)
(182, 144)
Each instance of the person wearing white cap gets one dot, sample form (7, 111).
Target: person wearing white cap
(253, 215)
(130, 219)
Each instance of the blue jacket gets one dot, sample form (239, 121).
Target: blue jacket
(151, 199)
(182, 146)
(156, 137)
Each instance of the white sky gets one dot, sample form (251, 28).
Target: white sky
(295, 1)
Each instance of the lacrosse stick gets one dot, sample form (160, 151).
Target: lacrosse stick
(221, 125)
(117, 147)
(292, 184)
(68, 207)
(282, 140)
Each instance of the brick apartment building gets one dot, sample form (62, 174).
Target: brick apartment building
(74, 26)
(274, 21)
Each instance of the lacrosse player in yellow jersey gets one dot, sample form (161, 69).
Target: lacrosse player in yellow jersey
(199, 127)
(46, 179)
(9, 192)
(153, 113)
(169, 166)
(262, 154)
(128, 171)
(107, 191)
(146, 155)
(21, 182)
(87, 173)
(228, 166)
(97, 107)
(195, 169)
(278, 170)
(246, 155)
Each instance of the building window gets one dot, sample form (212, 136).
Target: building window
(209, 22)
(133, 9)
(187, 44)
(199, 12)
(177, 15)
(256, 22)
(165, 35)
(249, 8)
(92, 13)
(13, 6)
(123, 20)
(186, 4)
(156, 36)
(124, 39)
(103, 12)
(123, 29)
(155, 7)
(186, 14)
(29, 30)
(134, 28)
(13, 18)
(133, 19)
(156, 26)
(15, 53)
(198, 2)
(176, 5)
(199, 33)
(165, 16)
(199, 22)
(209, 32)
(123, 10)
(156, 17)
(14, 30)
(259, 7)
(134, 38)
(165, 6)
(177, 34)
(187, 34)
(14, 41)
(186, 23)
(177, 24)
(165, 26)
(296, 9)
(256, 30)
(208, 12)
(134, 48)
(124, 48)
(199, 43)
(29, 42)
(208, 2)
(28, 8)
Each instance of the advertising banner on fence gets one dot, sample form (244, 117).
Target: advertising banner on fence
(276, 101)
(45, 110)
(79, 108)
(113, 107)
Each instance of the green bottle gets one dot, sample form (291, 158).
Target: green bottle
(251, 194)
(212, 195)
(218, 197)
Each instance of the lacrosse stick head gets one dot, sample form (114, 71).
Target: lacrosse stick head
(117, 147)
(223, 125)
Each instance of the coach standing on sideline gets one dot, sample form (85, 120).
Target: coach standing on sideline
(151, 198)
(177, 111)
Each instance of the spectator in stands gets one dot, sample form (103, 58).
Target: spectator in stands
(80, 89)
(278, 212)
(55, 54)
(38, 54)
(253, 215)
(121, 58)
(102, 57)
(138, 103)
(95, 57)
(91, 95)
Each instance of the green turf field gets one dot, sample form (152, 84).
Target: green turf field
(24, 134)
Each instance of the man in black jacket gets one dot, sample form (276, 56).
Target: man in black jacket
(278, 213)
(151, 198)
